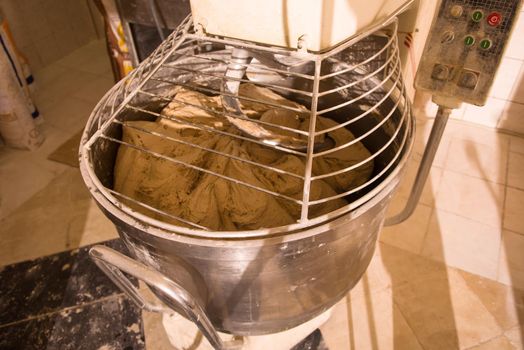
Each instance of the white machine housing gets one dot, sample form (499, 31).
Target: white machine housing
(317, 24)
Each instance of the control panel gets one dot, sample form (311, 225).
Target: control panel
(464, 48)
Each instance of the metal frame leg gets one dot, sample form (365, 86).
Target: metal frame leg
(425, 166)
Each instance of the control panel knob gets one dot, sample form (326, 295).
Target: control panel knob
(456, 11)
(469, 40)
(485, 44)
(494, 19)
(440, 72)
(468, 79)
(477, 15)
(447, 37)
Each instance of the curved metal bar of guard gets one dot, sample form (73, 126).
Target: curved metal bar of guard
(102, 122)
(112, 104)
(113, 263)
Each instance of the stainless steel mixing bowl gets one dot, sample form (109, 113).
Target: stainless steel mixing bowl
(262, 281)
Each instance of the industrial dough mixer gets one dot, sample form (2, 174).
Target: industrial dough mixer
(266, 280)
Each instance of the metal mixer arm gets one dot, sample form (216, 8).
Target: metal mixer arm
(240, 58)
(113, 263)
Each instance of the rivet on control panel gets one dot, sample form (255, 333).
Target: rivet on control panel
(477, 16)
(456, 11)
(494, 19)
(440, 72)
(485, 44)
(447, 37)
(468, 79)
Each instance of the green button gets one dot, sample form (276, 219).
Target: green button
(485, 44)
(469, 40)
(477, 15)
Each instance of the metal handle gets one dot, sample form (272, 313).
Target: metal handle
(113, 263)
(437, 130)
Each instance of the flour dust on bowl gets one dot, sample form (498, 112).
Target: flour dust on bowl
(249, 181)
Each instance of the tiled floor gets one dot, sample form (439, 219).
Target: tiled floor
(441, 280)
(473, 201)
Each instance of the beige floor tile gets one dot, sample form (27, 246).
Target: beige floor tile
(70, 115)
(513, 210)
(51, 221)
(430, 188)
(512, 118)
(444, 313)
(410, 234)
(96, 61)
(516, 144)
(516, 170)
(61, 88)
(477, 133)
(82, 55)
(93, 90)
(95, 227)
(498, 343)
(370, 322)
(22, 174)
(470, 197)
(511, 263)
(505, 303)
(91, 58)
(54, 138)
(154, 332)
(376, 278)
(393, 266)
(48, 75)
(478, 160)
(516, 337)
(22, 241)
(400, 267)
(463, 243)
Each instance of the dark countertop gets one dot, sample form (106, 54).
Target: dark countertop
(63, 301)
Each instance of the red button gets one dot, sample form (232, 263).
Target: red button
(494, 19)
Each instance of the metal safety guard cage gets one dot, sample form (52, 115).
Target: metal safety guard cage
(371, 60)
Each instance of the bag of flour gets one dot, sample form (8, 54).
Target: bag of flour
(17, 127)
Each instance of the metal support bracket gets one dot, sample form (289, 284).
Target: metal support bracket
(445, 107)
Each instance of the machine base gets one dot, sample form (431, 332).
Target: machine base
(183, 333)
